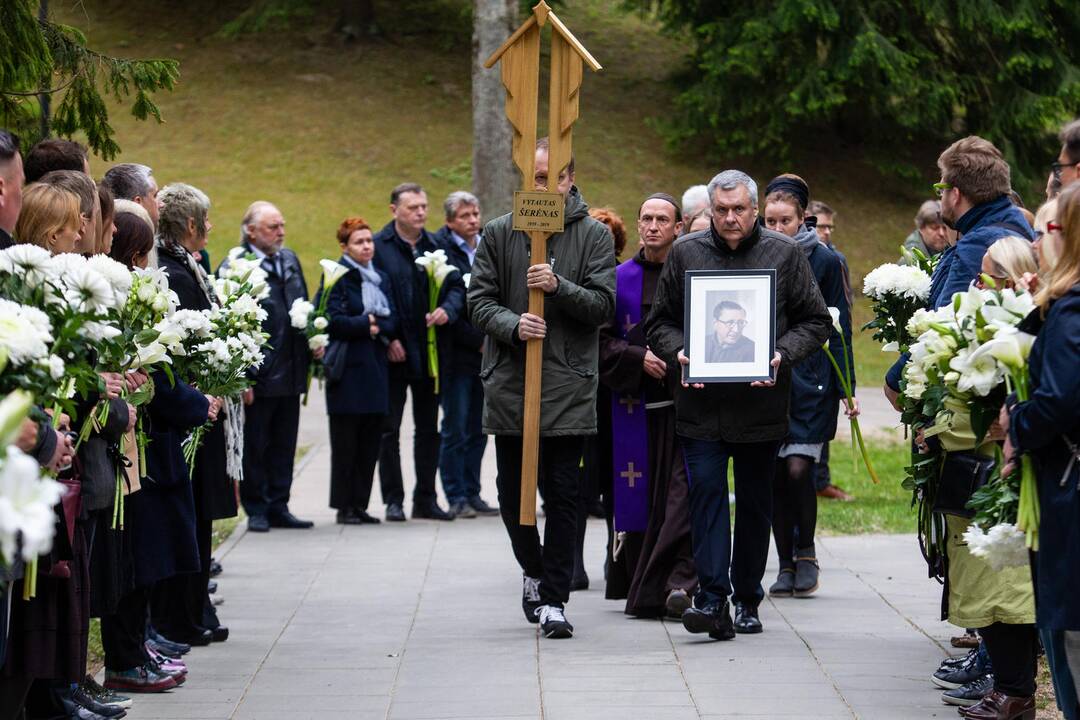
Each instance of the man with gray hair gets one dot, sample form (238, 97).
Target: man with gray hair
(460, 351)
(135, 182)
(930, 235)
(694, 202)
(739, 422)
(273, 404)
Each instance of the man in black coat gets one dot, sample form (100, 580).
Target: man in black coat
(741, 424)
(273, 405)
(463, 439)
(397, 246)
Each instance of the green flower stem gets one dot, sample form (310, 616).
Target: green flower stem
(1027, 513)
(30, 580)
(856, 431)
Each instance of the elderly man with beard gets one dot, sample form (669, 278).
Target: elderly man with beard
(273, 404)
(648, 480)
(738, 423)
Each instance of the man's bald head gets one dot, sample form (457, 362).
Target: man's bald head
(263, 227)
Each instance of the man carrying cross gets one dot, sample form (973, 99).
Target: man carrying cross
(579, 287)
(651, 494)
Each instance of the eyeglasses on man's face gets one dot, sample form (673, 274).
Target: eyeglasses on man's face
(941, 187)
(737, 324)
(1057, 166)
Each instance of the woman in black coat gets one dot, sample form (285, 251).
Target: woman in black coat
(181, 606)
(1047, 427)
(815, 393)
(362, 322)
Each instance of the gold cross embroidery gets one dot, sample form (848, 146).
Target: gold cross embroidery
(629, 401)
(630, 474)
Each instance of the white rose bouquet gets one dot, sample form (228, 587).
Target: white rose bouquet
(897, 291)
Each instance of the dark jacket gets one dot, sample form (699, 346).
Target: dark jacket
(583, 259)
(363, 388)
(6, 240)
(1041, 427)
(462, 344)
(816, 390)
(163, 512)
(215, 491)
(97, 456)
(409, 287)
(285, 355)
(737, 412)
(959, 265)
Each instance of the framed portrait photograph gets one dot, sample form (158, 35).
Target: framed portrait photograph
(729, 325)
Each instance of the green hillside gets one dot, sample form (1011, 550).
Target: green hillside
(325, 130)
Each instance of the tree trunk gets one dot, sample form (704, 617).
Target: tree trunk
(44, 99)
(494, 178)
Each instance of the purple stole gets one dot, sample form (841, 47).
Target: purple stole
(630, 430)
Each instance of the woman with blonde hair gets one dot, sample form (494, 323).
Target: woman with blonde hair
(1008, 260)
(49, 218)
(1047, 428)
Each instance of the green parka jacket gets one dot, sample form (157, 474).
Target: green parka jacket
(583, 258)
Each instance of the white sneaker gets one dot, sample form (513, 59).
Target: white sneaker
(553, 623)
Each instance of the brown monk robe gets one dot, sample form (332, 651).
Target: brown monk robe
(650, 565)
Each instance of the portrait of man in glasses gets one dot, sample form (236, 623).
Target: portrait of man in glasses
(726, 342)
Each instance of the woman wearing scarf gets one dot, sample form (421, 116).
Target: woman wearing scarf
(815, 392)
(181, 609)
(362, 323)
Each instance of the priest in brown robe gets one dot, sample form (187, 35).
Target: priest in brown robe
(651, 560)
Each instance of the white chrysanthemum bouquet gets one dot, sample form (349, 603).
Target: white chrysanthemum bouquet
(897, 291)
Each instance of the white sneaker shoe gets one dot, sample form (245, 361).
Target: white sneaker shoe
(553, 623)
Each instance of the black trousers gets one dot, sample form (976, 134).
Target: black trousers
(558, 475)
(1013, 653)
(354, 449)
(426, 440)
(177, 604)
(726, 569)
(123, 633)
(270, 428)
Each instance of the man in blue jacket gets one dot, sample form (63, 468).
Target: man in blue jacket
(396, 248)
(974, 192)
(463, 439)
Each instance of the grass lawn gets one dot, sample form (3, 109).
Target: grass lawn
(881, 508)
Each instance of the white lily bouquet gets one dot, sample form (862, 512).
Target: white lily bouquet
(313, 321)
(438, 268)
(897, 291)
(222, 344)
(27, 497)
(967, 356)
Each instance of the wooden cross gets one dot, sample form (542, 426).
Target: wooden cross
(520, 57)
(630, 474)
(629, 401)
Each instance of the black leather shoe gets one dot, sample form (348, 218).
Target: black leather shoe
(714, 619)
(431, 511)
(746, 620)
(220, 633)
(365, 518)
(482, 508)
(579, 582)
(258, 523)
(211, 587)
(287, 520)
(215, 568)
(395, 513)
(347, 517)
(199, 638)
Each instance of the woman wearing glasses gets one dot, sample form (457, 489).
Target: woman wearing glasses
(815, 392)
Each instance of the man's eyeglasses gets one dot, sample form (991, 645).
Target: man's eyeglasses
(737, 324)
(1057, 166)
(941, 187)
(826, 226)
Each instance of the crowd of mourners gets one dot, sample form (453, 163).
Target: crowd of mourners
(442, 318)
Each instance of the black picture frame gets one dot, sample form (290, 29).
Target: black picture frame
(749, 357)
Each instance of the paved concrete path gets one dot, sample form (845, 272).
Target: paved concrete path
(423, 620)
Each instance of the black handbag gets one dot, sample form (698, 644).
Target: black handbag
(334, 360)
(961, 475)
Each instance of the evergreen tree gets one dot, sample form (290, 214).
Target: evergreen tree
(767, 75)
(41, 58)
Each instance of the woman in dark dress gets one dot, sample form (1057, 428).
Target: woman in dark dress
(362, 322)
(181, 608)
(815, 394)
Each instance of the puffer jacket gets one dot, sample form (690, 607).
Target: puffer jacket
(583, 258)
